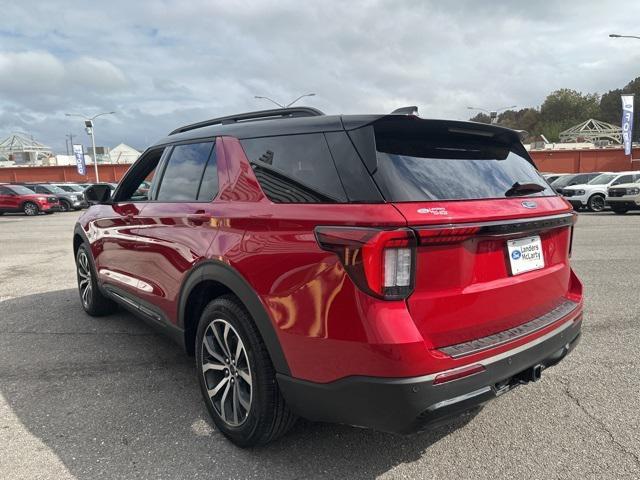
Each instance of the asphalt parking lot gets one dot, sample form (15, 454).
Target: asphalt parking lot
(108, 398)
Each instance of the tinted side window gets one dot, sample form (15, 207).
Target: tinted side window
(183, 173)
(623, 179)
(209, 185)
(295, 168)
(138, 182)
(5, 191)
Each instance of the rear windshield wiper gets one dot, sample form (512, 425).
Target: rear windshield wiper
(524, 189)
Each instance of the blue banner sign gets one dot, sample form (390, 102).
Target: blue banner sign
(78, 151)
(627, 122)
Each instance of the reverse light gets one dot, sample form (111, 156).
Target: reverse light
(380, 262)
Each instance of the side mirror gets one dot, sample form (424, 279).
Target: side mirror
(98, 194)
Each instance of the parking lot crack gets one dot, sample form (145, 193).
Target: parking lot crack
(600, 424)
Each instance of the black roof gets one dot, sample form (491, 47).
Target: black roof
(299, 120)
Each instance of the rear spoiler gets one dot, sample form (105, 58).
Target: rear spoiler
(361, 131)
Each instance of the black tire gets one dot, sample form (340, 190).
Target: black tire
(596, 203)
(30, 209)
(267, 417)
(64, 206)
(619, 210)
(91, 298)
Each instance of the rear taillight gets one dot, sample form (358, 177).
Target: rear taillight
(380, 262)
(447, 234)
(574, 221)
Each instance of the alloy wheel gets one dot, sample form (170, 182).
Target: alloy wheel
(30, 209)
(597, 203)
(84, 278)
(226, 372)
(64, 206)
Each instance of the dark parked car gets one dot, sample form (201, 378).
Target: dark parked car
(18, 198)
(68, 200)
(573, 179)
(376, 270)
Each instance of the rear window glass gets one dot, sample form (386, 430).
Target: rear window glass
(295, 168)
(457, 167)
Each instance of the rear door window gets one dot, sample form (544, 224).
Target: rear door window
(183, 173)
(623, 179)
(295, 168)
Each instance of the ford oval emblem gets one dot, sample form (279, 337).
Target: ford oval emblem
(529, 204)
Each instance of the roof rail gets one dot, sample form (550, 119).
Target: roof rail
(253, 116)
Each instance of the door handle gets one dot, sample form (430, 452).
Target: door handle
(198, 218)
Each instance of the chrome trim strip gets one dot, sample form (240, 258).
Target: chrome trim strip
(121, 298)
(509, 227)
(490, 341)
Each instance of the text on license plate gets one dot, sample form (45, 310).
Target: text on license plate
(525, 254)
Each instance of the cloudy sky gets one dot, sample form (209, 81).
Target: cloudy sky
(160, 64)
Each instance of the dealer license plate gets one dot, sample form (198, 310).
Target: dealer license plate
(525, 254)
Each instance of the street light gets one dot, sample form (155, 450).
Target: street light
(615, 35)
(90, 127)
(493, 114)
(288, 104)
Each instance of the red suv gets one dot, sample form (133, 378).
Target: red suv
(18, 198)
(383, 271)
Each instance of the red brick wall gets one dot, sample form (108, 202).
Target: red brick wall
(107, 173)
(574, 161)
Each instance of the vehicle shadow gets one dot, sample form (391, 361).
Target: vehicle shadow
(110, 398)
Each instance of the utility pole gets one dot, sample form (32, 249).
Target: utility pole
(288, 104)
(493, 114)
(70, 141)
(90, 128)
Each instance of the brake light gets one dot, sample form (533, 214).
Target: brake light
(380, 262)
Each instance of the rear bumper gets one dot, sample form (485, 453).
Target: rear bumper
(403, 405)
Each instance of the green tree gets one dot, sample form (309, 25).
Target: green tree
(481, 118)
(524, 119)
(565, 108)
(611, 107)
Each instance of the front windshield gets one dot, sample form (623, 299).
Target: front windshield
(54, 189)
(20, 190)
(562, 181)
(602, 179)
(71, 188)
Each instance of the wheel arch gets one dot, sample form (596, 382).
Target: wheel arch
(79, 237)
(212, 279)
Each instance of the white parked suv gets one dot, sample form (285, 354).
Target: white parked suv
(592, 195)
(624, 197)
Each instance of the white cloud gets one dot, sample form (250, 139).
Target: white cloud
(159, 64)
